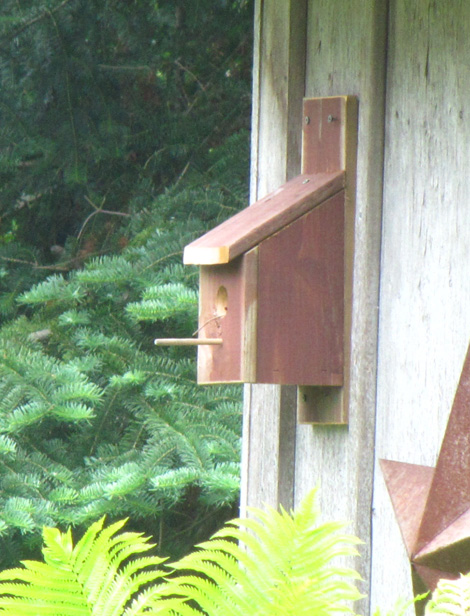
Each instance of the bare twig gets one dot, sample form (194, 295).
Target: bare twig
(182, 174)
(98, 210)
(187, 70)
(124, 67)
(35, 265)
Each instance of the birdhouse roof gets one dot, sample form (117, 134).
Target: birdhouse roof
(267, 216)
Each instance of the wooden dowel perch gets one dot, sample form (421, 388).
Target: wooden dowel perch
(187, 341)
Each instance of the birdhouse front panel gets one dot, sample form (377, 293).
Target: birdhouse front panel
(279, 308)
(227, 310)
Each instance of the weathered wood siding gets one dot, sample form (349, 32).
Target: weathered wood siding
(346, 54)
(279, 76)
(425, 282)
(408, 61)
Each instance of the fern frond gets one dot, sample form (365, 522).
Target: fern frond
(401, 606)
(285, 568)
(282, 567)
(88, 579)
(450, 598)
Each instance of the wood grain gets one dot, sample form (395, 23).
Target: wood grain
(425, 287)
(267, 216)
(233, 361)
(301, 300)
(330, 136)
(279, 85)
(346, 48)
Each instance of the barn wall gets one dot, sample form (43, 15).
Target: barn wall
(425, 282)
(282, 461)
(408, 61)
(346, 48)
(279, 74)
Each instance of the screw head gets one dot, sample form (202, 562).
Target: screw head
(307, 120)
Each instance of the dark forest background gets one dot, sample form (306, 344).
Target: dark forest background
(124, 129)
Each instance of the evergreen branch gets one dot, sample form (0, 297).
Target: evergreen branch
(43, 15)
(98, 431)
(35, 264)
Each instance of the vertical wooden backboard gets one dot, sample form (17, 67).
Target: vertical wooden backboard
(330, 143)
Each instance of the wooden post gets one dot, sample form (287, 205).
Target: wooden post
(278, 88)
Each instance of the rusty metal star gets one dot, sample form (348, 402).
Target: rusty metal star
(432, 505)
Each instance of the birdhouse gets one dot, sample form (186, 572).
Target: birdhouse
(276, 278)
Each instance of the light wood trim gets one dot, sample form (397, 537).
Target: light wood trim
(249, 227)
(187, 341)
(250, 317)
(269, 427)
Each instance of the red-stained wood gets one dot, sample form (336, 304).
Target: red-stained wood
(323, 141)
(301, 300)
(330, 142)
(249, 227)
(227, 310)
(288, 318)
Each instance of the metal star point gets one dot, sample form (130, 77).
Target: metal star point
(432, 505)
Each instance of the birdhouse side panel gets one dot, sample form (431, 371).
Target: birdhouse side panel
(227, 310)
(301, 300)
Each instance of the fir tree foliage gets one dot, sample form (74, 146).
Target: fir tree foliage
(122, 137)
(104, 103)
(94, 419)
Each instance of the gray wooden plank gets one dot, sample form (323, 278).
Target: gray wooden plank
(279, 83)
(425, 287)
(346, 55)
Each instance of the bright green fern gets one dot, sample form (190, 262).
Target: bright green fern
(283, 566)
(91, 578)
(451, 598)
(273, 564)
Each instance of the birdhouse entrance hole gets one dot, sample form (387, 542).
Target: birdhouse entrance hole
(221, 302)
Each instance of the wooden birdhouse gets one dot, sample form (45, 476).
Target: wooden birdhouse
(275, 279)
